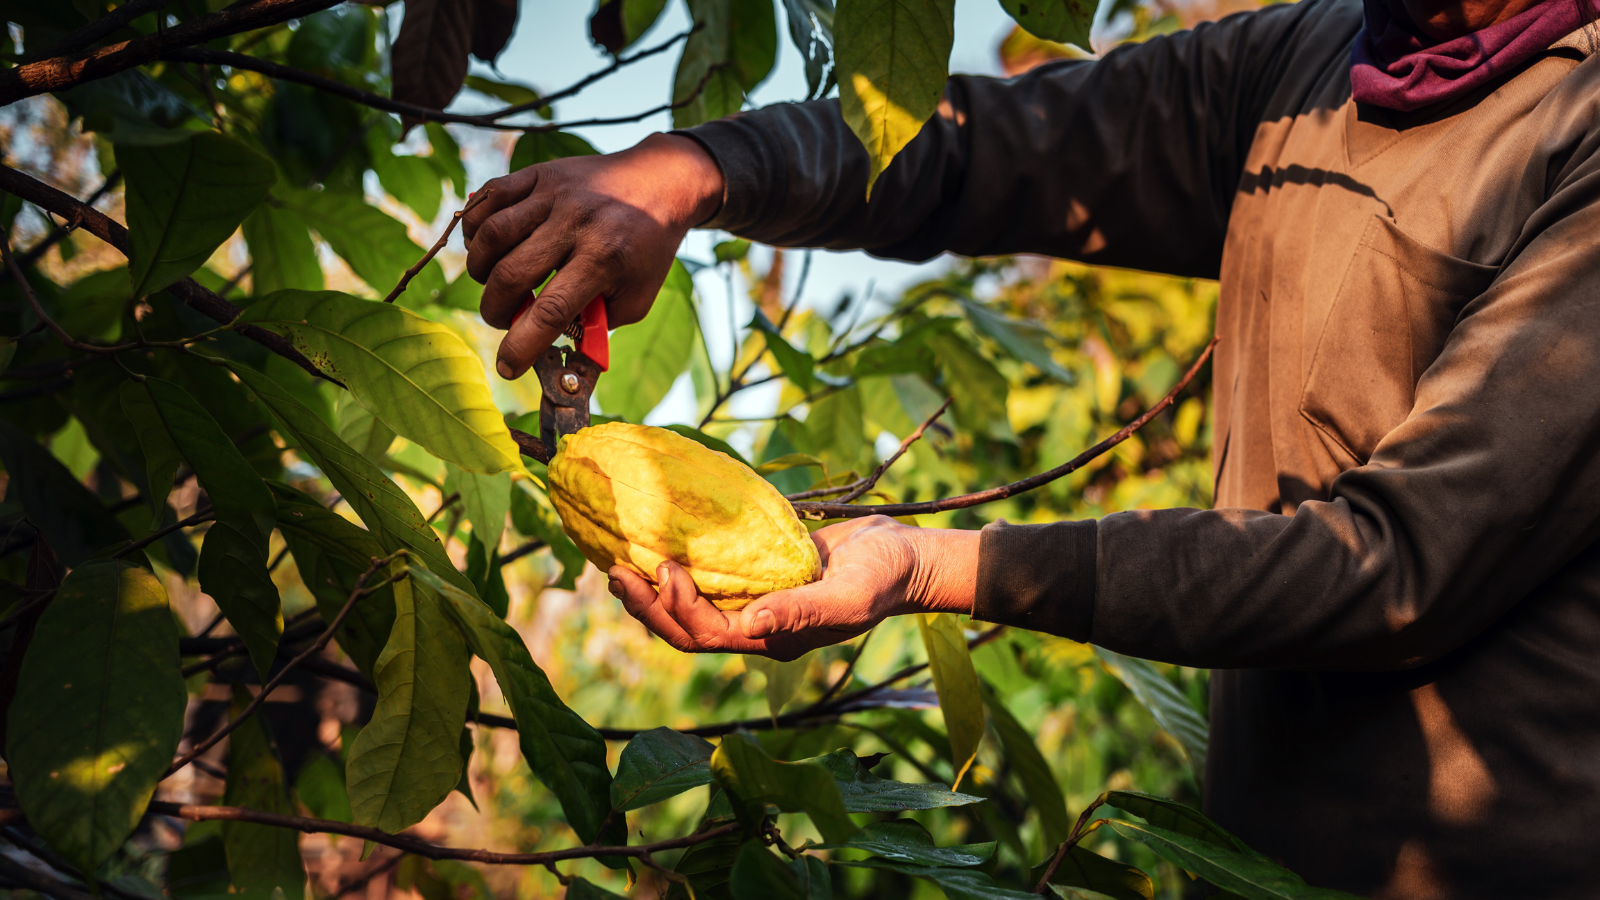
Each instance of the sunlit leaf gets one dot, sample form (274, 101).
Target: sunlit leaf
(734, 47)
(1023, 340)
(783, 679)
(563, 750)
(797, 366)
(756, 779)
(658, 764)
(892, 58)
(1172, 710)
(648, 356)
(87, 743)
(1066, 21)
(261, 858)
(408, 758)
(960, 694)
(978, 388)
(184, 199)
(362, 430)
(417, 376)
(282, 256)
(374, 243)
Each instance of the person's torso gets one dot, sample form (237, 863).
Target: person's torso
(1356, 238)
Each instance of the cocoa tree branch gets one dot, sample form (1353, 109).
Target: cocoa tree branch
(317, 646)
(98, 29)
(61, 232)
(199, 517)
(428, 849)
(866, 484)
(851, 511)
(438, 245)
(60, 72)
(112, 232)
(1077, 834)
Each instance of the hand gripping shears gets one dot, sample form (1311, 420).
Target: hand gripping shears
(567, 375)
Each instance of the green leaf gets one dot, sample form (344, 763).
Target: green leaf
(1038, 781)
(1171, 708)
(282, 256)
(811, 30)
(658, 764)
(233, 559)
(863, 791)
(447, 156)
(755, 779)
(510, 93)
(1174, 816)
(580, 889)
(1066, 21)
(618, 24)
(892, 58)
(905, 840)
(706, 440)
(798, 367)
(532, 514)
(541, 147)
(1083, 868)
(418, 376)
(957, 883)
(1023, 340)
(161, 455)
(261, 858)
(98, 710)
(486, 499)
(359, 428)
(408, 758)
(708, 867)
(834, 425)
(331, 554)
(758, 872)
(71, 518)
(731, 250)
(184, 199)
(788, 461)
(374, 243)
(413, 180)
(320, 786)
(563, 750)
(735, 44)
(978, 388)
(1250, 875)
(783, 679)
(647, 357)
(91, 308)
(483, 568)
(960, 694)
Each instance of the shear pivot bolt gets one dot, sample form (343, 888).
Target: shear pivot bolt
(569, 383)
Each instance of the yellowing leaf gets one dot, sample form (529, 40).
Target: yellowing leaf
(956, 681)
(892, 58)
(415, 375)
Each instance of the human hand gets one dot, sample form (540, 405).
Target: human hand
(873, 568)
(610, 225)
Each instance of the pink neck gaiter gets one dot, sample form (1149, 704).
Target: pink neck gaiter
(1393, 66)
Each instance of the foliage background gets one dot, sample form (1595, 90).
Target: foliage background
(1115, 342)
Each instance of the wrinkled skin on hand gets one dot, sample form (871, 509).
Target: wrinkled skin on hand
(873, 568)
(610, 225)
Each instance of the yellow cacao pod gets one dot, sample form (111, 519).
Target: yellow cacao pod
(634, 495)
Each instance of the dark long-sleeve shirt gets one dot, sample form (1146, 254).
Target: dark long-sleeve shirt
(1399, 587)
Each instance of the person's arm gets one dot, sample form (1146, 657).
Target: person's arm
(1132, 161)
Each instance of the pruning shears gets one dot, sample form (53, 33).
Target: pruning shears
(567, 375)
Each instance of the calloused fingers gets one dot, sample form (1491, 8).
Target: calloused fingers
(519, 271)
(501, 235)
(578, 282)
(502, 192)
(640, 599)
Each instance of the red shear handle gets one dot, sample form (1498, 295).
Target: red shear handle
(596, 340)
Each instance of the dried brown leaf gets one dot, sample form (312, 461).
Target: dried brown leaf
(429, 60)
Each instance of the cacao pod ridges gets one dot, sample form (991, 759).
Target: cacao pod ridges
(635, 495)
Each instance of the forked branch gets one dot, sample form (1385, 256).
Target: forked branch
(964, 501)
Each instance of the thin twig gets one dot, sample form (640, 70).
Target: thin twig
(199, 517)
(444, 504)
(1076, 835)
(524, 550)
(361, 590)
(844, 510)
(438, 245)
(849, 669)
(427, 849)
(866, 484)
(14, 617)
(356, 884)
